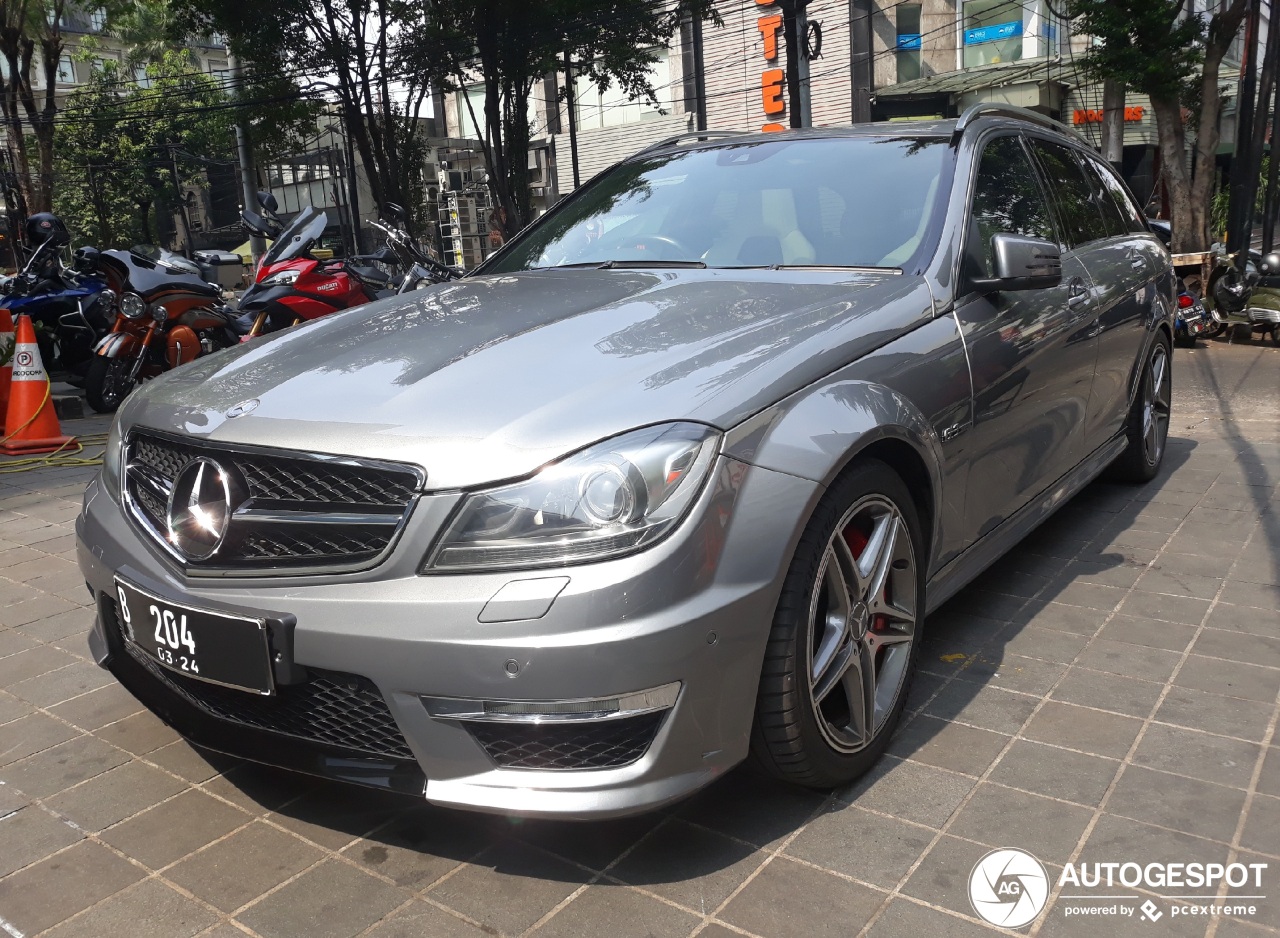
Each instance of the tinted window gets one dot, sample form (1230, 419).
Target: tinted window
(1114, 223)
(839, 202)
(1073, 193)
(1006, 198)
(1116, 192)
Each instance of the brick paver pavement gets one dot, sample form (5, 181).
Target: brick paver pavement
(1106, 692)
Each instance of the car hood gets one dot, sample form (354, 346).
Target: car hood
(490, 377)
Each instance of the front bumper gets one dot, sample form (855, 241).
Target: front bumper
(693, 611)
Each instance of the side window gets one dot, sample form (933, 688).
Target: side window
(1134, 220)
(1006, 198)
(1073, 193)
(1112, 218)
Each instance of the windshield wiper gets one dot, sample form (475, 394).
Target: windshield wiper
(618, 264)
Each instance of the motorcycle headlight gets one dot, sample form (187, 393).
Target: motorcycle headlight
(613, 498)
(111, 460)
(132, 306)
(159, 313)
(281, 279)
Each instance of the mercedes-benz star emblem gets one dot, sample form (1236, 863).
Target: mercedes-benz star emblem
(244, 407)
(200, 507)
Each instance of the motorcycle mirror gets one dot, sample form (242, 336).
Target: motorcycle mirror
(268, 201)
(394, 211)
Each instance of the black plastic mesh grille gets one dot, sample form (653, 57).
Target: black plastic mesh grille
(605, 744)
(345, 711)
(287, 483)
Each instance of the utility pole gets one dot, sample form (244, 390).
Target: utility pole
(862, 60)
(699, 77)
(573, 118)
(248, 189)
(1113, 122)
(797, 99)
(1272, 201)
(1244, 176)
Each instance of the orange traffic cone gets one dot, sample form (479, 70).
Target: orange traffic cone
(31, 426)
(6, 356)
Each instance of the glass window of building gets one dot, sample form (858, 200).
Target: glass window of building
(66, 70)
(991, 31)
(613, 107)
(909, 42)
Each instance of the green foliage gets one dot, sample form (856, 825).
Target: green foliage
(116, 142)
(1145, 45)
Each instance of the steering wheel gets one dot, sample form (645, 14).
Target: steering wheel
(664, 248)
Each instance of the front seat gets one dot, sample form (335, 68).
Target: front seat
(760, 251)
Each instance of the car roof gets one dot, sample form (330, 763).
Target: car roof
(974, 118)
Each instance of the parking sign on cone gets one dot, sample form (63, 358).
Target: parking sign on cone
(31, 426)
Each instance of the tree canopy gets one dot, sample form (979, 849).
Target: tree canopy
(1173, 54)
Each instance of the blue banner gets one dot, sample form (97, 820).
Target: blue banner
(908, 41)
(994, 33)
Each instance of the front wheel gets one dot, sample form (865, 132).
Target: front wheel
(107, 383)
(845, 634)
(1148, 425)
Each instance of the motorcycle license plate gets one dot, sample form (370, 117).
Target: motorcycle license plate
(209, 646)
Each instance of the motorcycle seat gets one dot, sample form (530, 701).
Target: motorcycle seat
(370, 275)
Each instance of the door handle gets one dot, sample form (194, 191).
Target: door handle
(1137, 263)
(1076, 293)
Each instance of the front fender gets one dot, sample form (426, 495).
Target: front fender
(116, 345)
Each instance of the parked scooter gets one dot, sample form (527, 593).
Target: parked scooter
(1250, 300)
(165, 316)
(69, 307)
(1191, 320)
(292, 285)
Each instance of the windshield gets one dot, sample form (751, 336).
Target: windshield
(307, 226)
(829, 202)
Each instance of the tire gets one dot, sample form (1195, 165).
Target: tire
(106, 383)
(1148, 425)
(1184, 339)
(1275, 335)
(835, 622)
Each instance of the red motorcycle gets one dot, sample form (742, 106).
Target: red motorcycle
(293, 286)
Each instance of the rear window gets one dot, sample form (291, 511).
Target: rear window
(830, 202)
(1073, 193)
(1117, 194)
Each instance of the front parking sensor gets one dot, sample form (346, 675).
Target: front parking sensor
(523, 599)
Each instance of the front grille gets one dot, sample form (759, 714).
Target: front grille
(601, 744)
(335, 709)
(296, 511)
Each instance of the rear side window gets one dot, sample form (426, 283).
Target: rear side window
(1133, 218)
(1073, 193)
(1112, 219)
(1006, 198)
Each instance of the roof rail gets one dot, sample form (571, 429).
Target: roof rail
(975, 111)
(689, 135)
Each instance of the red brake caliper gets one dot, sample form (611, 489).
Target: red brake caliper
(857, 541)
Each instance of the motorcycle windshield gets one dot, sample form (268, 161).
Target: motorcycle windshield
(305, 229)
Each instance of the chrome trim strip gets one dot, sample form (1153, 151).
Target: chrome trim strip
(584, 710)
(274, 516)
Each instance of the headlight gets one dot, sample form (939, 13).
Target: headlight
(159, 313)
(610, 499)
(132, 306)
(281, 279)
(111, 458)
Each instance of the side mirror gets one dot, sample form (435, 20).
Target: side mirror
(268, 201)
(1022, 263)
(394, 211)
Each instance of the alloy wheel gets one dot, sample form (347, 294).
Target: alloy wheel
(862, 622)
(1157, 394)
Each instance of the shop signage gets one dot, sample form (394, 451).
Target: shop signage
(993, 33)
(1094, 116)
(773, 80)
(909, 41)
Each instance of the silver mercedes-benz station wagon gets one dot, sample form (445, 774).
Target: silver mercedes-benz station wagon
(671, 481)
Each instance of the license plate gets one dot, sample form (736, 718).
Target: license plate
(202, 644)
